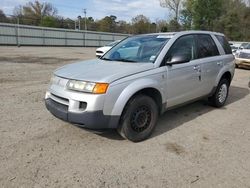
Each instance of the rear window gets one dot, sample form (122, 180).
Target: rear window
(224, 44)
(206, 46)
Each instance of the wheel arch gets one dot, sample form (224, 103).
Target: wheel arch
(146, 87)
(227, 75)
(152, 93)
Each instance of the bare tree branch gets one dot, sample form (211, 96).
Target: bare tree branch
(173, 5)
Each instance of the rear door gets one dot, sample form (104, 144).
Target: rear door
(210, 61)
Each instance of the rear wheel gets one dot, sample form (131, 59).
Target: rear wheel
(139, 118)
(220, 96)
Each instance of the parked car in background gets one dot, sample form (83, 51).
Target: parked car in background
(140, 78)
(242, 58)
(241, 47)
(234, 49)
(102, 50)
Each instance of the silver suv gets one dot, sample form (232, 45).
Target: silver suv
(140, 78)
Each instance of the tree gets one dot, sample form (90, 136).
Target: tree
(174, 26)
(141, 24)
(34, 12)
(3, 17)
(186, 15)
(161, 25)
(49, 21)
(173, 5)
(235, 20)
(205, 13)
(123, 27)
(107, 24)
(230, 17)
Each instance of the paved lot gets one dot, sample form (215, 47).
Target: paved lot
(193, 146)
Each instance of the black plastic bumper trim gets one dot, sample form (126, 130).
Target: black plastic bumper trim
(91, 120)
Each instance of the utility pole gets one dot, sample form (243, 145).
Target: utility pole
(85, 20)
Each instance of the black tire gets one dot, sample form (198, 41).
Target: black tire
(219, 97)
(138, 119)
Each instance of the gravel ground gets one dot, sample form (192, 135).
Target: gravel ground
(193, 146)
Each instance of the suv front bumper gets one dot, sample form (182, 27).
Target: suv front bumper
(92, 120)
(79, 108)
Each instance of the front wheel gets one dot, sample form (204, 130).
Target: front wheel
(220, 96)
(139, 118)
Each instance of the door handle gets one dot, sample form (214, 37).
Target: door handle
(219, 63)
(197, 67)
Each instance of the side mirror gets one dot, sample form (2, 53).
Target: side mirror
(179, 58)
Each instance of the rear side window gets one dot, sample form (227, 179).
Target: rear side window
(224, 44)
(206, 46)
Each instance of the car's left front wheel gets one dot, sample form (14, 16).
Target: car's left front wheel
(139, 118)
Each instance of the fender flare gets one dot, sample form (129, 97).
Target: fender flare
(222, 72)
(132, 89)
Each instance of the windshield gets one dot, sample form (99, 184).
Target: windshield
(142, 48)
(248, 46)
(234, 47)
(244, 45)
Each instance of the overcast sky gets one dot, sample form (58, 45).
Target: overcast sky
(123, 9)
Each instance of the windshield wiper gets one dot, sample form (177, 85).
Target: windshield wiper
(106, 59)
(126, 60)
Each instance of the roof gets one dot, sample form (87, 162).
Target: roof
(186, 32)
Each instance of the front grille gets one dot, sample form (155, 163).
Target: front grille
(244, 55)
(61, 98)
(100, 52)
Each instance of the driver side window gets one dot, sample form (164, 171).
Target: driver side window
(185, 46)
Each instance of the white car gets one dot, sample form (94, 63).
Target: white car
(102, 50)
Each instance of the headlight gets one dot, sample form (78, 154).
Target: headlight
(90, 87)
(53, 79)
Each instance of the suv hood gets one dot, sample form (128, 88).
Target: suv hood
(97, 70)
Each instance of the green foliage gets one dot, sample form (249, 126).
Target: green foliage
(174, 26)
(230, 17)
(108, 24)
(49, 21)
(141, 24)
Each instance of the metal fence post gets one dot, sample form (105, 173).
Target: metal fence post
(100, 38)
(17, 33)
(66, 38)
(43, 37)
(83, 38)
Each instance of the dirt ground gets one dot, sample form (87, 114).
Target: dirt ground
(193, 146)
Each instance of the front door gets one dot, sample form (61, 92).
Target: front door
(183, 80)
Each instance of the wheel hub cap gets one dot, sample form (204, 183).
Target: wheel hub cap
(140, 119)
(223, 93)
